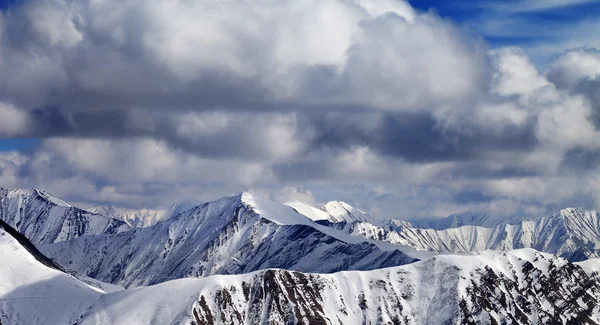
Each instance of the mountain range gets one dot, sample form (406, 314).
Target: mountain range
(573, 233)
(246, 260)
(518, 287)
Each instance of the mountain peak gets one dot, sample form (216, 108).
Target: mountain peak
(343, 212)
(51, 198)
(273, 211)
(34, 192)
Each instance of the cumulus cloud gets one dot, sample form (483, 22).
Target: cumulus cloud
(402, 112)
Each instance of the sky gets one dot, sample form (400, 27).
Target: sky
(405, 110)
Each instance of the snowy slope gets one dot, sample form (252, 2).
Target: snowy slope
(143, 217)
(44, 218)
(309, 211)
(590, 266)
(520, 287)
(232, 235)
(33, 291)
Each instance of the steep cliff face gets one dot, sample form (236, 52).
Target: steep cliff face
(232, 235)
(46, 219)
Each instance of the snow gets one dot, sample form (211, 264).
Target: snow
(236, 234)
(344, 212)
(428, 291)
(275, 212)
(44, 218)
(590, 266)
(246, 233)
(309, 211)
(559, 233)
(52, 199)
(32, 293)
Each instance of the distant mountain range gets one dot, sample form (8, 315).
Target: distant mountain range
(247, 260)
(572, 233)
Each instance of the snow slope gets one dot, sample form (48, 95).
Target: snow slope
(34, 291)
(232, 235)
(44, 218)
(520, 287)
(309, 211)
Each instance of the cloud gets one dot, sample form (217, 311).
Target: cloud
(569, 69)
(13, 121)
(404, 113)
(532, 5)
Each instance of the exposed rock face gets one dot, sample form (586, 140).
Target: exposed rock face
(44, 219)
(494, 288)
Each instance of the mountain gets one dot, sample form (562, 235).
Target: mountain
(33, 289)
(520, 287)
(46, 219)
(232, 235)
(517, 287)
(344, 212)
(332, 212)
(572, 233)
(143, 217)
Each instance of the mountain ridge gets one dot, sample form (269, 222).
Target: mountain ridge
(521, 287)
(235, 234)
(44, 218)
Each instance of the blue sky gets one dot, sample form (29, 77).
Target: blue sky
(18, 144)
(544, 29)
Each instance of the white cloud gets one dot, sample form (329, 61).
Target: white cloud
(574, 65)
(147, 103)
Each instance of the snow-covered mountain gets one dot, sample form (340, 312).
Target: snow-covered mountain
(571, 233)
(33, 289)
(143, 217)
(518, 287)
(232, 235)
(44, 218)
